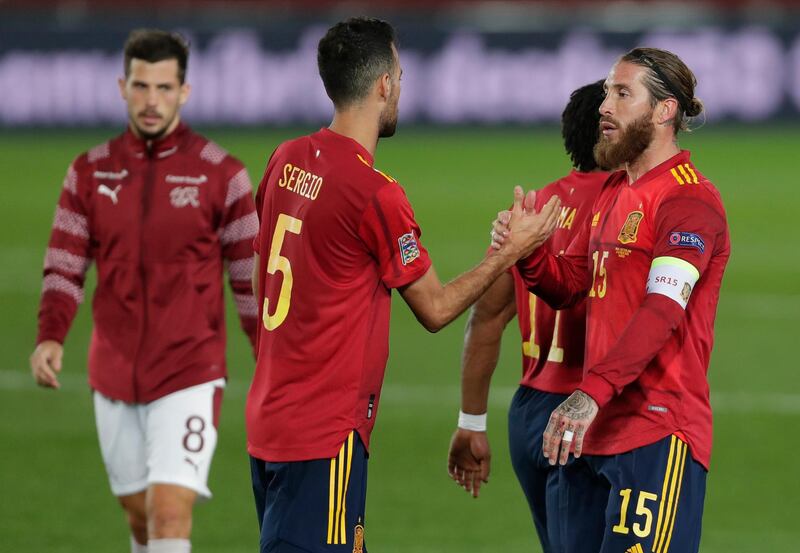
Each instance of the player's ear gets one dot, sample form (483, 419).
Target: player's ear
(667, 111)
(122, 91)
(186, 90)
(384, 86)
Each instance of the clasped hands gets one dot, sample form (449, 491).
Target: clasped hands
(522, 229)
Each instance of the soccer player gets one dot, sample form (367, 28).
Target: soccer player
(552, 341)
(160, 209)
(336, 236)
(651, 262)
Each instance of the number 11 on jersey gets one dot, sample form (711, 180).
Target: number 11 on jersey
(281, 264)
(531, 348)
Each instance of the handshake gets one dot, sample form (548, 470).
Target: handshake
(516, 233)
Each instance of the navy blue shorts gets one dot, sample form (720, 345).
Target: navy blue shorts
(313, 506)
(527, 418)
(646, 500)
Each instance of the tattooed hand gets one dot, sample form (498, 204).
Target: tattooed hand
(574, 415)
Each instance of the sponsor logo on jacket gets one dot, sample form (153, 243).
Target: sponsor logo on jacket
(105, 190)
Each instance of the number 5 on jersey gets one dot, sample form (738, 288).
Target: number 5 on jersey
(279, 263)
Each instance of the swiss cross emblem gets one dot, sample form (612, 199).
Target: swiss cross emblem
(183, 196)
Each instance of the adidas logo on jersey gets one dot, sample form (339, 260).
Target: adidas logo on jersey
(635, 549)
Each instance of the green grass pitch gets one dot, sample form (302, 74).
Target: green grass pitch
(55, 496)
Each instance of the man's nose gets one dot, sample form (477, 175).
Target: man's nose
(605, 108)
(152, 97)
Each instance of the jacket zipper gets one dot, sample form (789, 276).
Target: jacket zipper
(146, 189)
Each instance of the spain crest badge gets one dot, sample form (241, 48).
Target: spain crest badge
(631, 227)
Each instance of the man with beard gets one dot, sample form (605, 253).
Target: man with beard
(160, 209)
(651, 262)
(552, 341)
(336, 236)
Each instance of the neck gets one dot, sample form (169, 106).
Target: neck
(359, 124)
(149, 141)
(657, 153)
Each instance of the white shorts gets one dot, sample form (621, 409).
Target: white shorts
(168, 441)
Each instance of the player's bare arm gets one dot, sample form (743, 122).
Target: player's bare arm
(469, 458)
(46, 363)
(567, 425)
(436, 305)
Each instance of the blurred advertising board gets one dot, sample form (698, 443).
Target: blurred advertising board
(253, 76)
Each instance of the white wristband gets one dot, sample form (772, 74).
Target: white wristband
(476, 423)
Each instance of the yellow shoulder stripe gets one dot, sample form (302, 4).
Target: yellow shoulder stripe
(381, 173)
(694, 175)
(684, 174)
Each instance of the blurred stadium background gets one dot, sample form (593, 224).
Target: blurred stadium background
(484, 84)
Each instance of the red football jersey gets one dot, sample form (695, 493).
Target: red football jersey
(336, 236)
(553, 341)
(664, 234)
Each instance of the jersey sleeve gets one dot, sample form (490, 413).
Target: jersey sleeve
(392, 236)
(689, 225)
(239, 214)
(560, 280)
(66, 261)
(645, 335)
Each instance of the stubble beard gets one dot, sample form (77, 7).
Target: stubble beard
(153, 135)
(387, 125)
(633, 141)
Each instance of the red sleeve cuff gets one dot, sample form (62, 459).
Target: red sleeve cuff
(598, 387)
(533, 260)
(406, 278)
(49, 334)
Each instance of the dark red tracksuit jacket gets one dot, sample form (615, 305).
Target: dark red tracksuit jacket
(159, 223)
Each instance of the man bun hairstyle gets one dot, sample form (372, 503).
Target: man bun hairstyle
(580, 125)
(154, 45)
(352, 55)
(668, 77)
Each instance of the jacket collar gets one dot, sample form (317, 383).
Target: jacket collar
(161, 148)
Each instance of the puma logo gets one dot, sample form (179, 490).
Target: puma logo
(106, 191)
(195, 465)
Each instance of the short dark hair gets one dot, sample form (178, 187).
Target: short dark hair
(667, 76)
(580, 125)
(154, 45)
(352, 54)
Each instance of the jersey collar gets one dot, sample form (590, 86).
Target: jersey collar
(161, 148)
(348, 143)
(679, 158)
